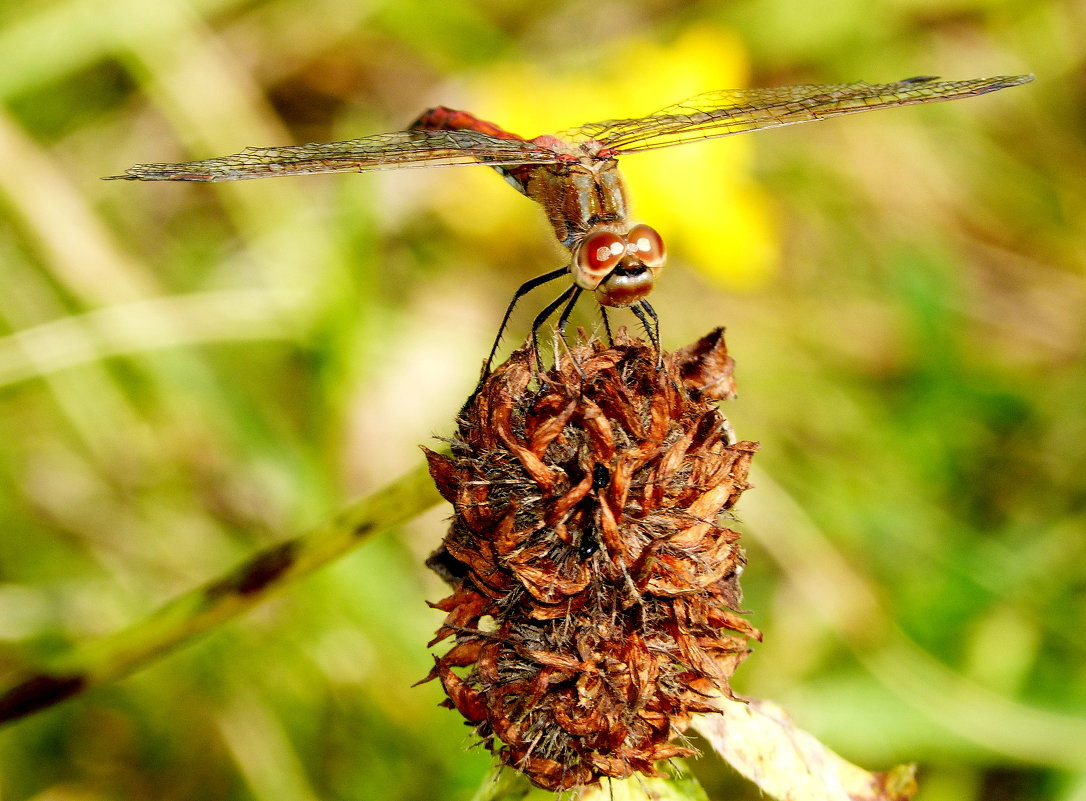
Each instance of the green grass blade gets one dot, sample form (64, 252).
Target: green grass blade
(207, 607)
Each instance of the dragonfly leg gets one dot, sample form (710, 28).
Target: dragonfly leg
(570, 296)
(522, 290)
(564, 318)
(607, 326)
(645, 313)
(566, 312)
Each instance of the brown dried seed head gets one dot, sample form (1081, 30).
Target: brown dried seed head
(594, 587)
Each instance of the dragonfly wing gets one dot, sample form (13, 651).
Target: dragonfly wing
(723, 113)
(419, 148)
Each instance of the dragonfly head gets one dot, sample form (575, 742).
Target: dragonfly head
(620, 269)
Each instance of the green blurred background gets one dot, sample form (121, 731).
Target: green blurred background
(189, 373)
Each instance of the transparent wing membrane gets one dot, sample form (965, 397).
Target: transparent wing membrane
(378, 152)
(727, 112)
(705, 116)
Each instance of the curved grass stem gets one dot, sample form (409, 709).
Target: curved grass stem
(204, 608)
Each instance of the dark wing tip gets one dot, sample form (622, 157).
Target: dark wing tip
(1006, 80)
(998, 82)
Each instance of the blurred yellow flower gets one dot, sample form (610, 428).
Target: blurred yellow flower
(700, 197)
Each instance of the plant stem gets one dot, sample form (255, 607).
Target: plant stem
(204, 608)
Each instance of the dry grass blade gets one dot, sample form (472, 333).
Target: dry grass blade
(760, 741)
(207, 607)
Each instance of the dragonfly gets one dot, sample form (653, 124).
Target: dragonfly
(574, 175)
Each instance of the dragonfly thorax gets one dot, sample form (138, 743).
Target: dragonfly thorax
(619, 268)
(577, 195)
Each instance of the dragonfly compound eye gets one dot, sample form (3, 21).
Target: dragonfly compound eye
(647, 245)
(595, 257)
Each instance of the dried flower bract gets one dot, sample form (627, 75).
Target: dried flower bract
(595, 588)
